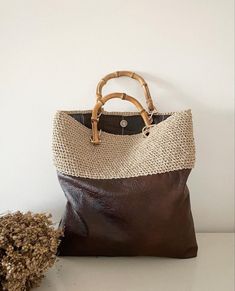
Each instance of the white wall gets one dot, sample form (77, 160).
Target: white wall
(52, 54)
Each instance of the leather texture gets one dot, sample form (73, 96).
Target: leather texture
(140, 216)
(147, 216)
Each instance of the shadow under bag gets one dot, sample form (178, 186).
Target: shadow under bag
(124, 176)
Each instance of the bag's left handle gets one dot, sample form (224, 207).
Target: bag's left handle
(95, 139)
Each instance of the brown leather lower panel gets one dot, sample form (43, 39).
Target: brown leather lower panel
(146, 216)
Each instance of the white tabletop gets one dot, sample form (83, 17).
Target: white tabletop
(212, 270)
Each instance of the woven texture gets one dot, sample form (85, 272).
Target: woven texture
(169, 147)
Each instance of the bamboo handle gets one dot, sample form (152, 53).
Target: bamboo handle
(95, 119)
(129, 74)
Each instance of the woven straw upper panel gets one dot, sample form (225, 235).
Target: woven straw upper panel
(169, 147)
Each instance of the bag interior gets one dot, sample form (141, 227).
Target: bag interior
(112, 123)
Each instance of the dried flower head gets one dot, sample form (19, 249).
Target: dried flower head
(28, 245)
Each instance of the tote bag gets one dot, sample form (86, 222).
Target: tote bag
(124, 176)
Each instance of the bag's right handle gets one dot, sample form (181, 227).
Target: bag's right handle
(129, 74)
(95, 139)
